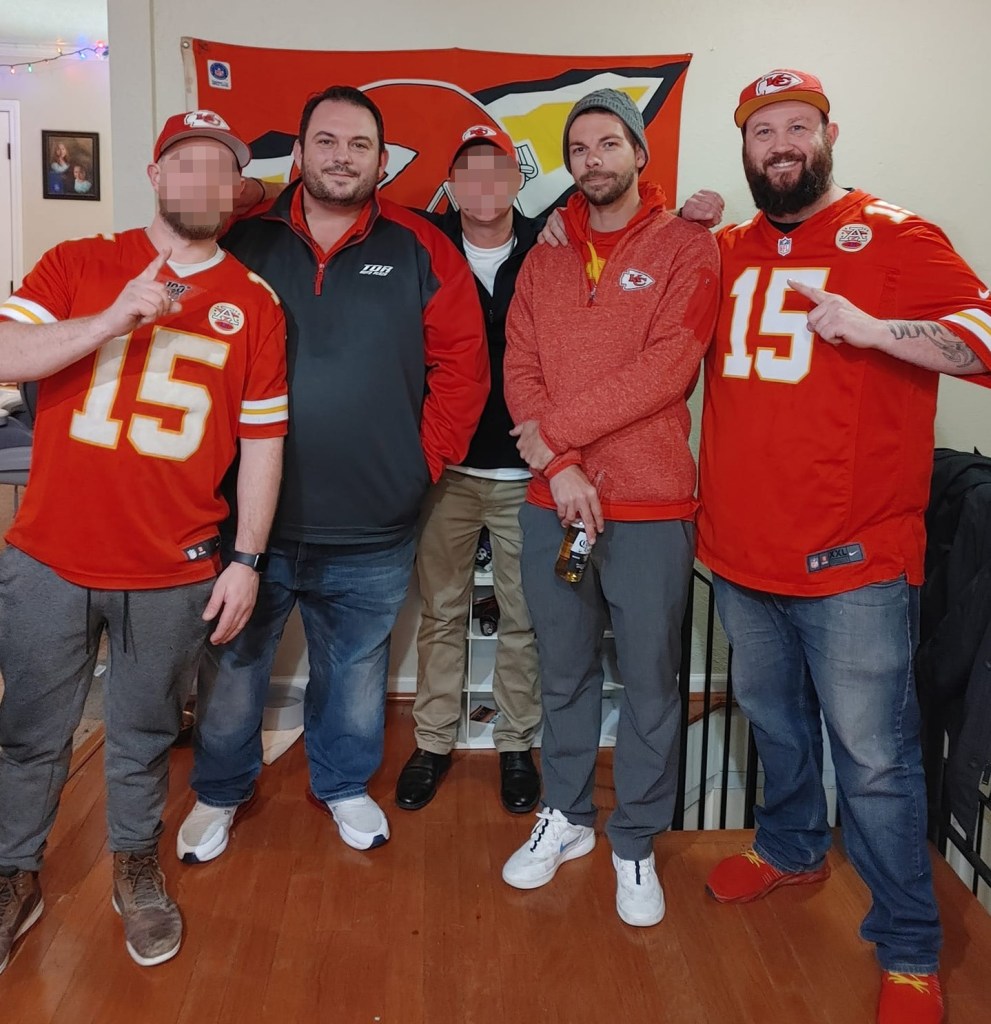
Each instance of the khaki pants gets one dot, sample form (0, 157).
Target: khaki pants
(456, 508)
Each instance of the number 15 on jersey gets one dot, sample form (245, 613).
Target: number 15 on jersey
(770, 363)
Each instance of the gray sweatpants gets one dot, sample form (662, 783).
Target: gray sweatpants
(49, 637)
(639, 574)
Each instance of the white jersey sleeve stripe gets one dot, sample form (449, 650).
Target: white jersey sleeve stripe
(25, 311)
(264, 404)
(976, 322)
(269, 410)
(262, 419)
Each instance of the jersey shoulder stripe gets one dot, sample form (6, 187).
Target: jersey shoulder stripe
(25, 311)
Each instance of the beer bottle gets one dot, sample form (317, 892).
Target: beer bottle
(573, 556)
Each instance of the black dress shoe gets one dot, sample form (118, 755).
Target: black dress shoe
(418, 781)
(520, 781)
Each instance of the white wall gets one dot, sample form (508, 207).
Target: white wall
(69, 95)
(908, 81)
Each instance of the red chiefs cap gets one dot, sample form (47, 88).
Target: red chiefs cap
(485, 133)
(776, 86)
(201, 124)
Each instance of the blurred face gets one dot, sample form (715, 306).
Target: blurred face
(197, 181)
(61, 153)
(79, 173)
(604, 163)
(485, 182)
(340, 159)
(788, 157)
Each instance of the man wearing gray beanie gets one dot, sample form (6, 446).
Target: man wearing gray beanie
(603, 344)
(610, 101)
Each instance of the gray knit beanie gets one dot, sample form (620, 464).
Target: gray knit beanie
(612, 101)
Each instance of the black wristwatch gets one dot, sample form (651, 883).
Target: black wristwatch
(257, 562)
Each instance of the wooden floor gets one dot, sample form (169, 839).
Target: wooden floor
(292, 926)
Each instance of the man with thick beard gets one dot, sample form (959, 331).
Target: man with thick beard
(388, 375)
(157, 354)
(840, 310)
(605, 337)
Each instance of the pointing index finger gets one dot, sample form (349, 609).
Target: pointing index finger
(817, 295)
(151, 271)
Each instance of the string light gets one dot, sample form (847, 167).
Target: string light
(100, 50)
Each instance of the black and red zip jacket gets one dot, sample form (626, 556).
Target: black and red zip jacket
(388, 366)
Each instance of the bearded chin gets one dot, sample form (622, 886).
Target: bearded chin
(810, 186)
(621, 184)
(184, 229)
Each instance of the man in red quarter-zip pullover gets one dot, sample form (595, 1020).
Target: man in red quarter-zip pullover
(604, 341)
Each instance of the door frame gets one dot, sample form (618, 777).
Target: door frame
(13, 108)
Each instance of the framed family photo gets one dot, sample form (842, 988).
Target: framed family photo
(70, 164)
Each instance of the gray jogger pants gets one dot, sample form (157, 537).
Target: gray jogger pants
(49, 637)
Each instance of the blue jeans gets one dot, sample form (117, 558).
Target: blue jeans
(348, 603)
(848, 656)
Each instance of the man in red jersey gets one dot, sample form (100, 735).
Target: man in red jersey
(605, 338)
(157, 355)
(839, 311)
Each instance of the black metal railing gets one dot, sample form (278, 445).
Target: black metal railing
(712, 702)
(944, 830)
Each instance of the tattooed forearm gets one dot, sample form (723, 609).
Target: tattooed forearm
(953, 350)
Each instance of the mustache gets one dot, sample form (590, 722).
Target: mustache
(338, 169)
(791, 155)
(596, 176)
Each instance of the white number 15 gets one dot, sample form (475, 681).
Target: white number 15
(775, 321)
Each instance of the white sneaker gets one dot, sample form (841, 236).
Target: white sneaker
(360, 821)
(639, 896)
(204, 833)
(553, 841)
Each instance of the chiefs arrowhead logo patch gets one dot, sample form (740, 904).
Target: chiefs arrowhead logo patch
(633, 280)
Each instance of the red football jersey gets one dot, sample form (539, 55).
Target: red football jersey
(132, 441)
(816, 458)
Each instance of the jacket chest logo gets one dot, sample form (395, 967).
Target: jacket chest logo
(375, 270)
(632, 280)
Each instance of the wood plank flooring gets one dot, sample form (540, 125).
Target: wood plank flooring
(292, 926)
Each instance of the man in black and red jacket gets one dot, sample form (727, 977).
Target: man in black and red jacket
(388, 374)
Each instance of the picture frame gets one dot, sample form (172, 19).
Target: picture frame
(70, 165)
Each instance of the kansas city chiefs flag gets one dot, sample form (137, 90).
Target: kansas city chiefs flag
(428, 98)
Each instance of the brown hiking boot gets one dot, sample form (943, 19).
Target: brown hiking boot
(20, 906)
(152, 923)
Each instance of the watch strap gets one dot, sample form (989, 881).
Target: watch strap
(257, 561)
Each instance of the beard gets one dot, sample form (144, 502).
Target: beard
(356, 194)
(786, 199)
(603, 188)
(191, 227)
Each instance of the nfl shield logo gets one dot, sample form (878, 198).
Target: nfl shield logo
(784, 246)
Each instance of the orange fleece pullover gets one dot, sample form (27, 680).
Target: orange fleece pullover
(606, 370)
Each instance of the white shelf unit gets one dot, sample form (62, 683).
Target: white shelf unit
(479, 666)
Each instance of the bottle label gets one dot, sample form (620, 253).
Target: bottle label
(574, 553)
